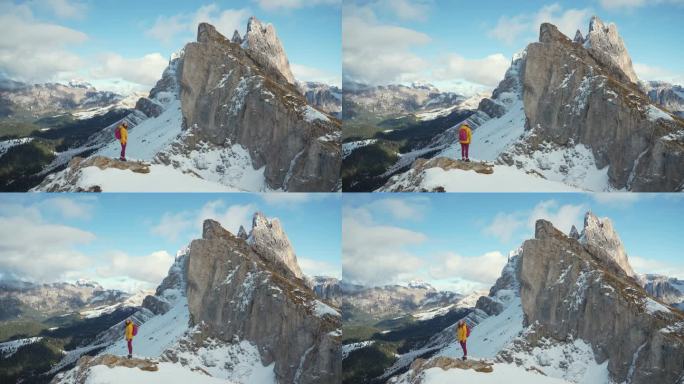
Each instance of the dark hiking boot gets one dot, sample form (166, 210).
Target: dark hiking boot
(464, 358)
(130, 356)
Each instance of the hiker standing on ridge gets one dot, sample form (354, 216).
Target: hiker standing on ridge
(130, 330)
(464, 137)
(462, 333)
(121, 134)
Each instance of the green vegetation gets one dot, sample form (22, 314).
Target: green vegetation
(30, 361)
(14, 129)
(391, 336)
(356, 333)
(19, 165)
(365, 364)
(20, 329)
(362, 169)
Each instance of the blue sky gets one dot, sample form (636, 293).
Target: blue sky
(467, 45)
(461, 241)
(128, 241)
(125, 45)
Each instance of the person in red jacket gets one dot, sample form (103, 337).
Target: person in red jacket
(465, 135)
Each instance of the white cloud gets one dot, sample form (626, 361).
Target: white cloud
(188, 224)
(505, 225)
(145, 71)
(399, 208)
(150, 268)
(305, 73)
(65, 9)
(651, 72)
(294, 199)
(407, 9)
(562, 217)
(617, 199)
(273, 5)
(167, 28)
(644, 265)
(374, 254)
(508, 225)
(633, 4)
(312, 267)
(70, 208)
(36, 250)
(483, 269)
(377, 53)
(172, 225)
(486, 71)
(31, 50)
(510, 29)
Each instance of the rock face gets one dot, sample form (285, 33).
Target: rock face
(327, 288)
(606, 45)
(388, 100)
(602, 240)
(393, 300)
(585, 94)
(666, 95)
(325, 97)
(261, 40)
(569, 291)
(230, 95)
(54, 299)
(668, 289)
(234, 292)
(270, 241)
(17, 99)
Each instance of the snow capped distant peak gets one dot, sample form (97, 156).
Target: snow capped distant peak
(79, 83)
(419, 284)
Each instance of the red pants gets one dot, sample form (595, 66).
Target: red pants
(463, 343)
(130, 346)
(464, 150)
(123, 150)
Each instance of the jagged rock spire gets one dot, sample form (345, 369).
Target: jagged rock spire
(237, 39)
(269, 239)
(242, 233)
(600, 234)
(605, 44)
(578, 37)
(574, 233)
(263, 42)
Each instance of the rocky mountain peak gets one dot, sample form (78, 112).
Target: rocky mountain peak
(574, 233)
(233, 286)
(207, 33)
(605, 44)
(578, 37)
(212, 229)
(242, 233)
(263, 42)
(600, 234)
(268, 238)
(549, 33)
(544, 229)
(237, 39)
